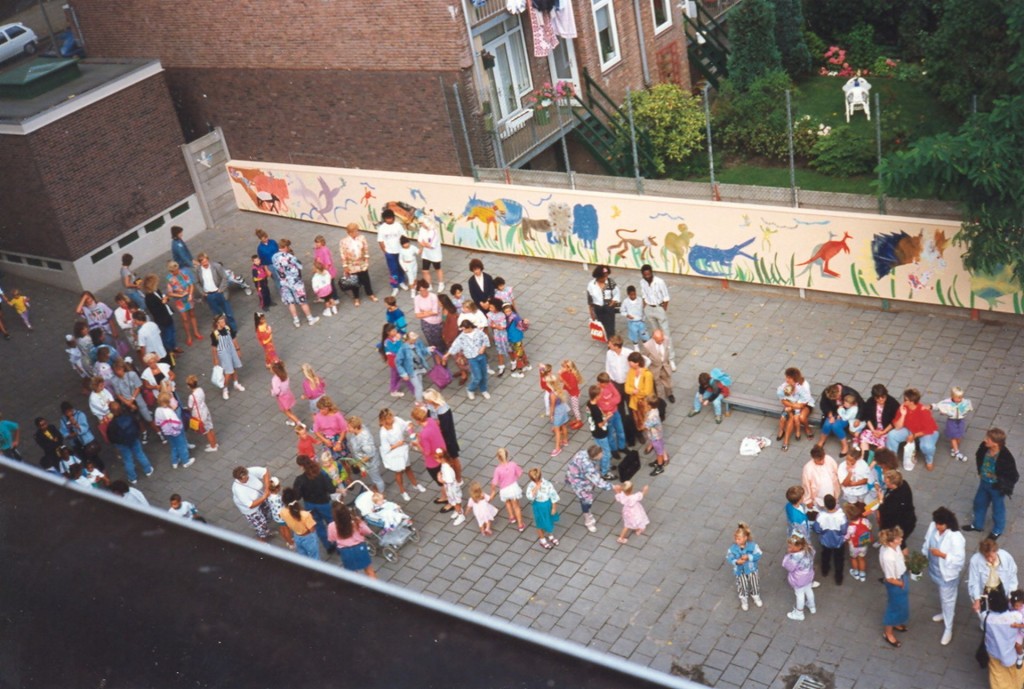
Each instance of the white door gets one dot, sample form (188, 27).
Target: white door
(510, 77)
(562, 62)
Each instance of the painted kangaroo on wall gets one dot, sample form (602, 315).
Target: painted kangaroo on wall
(826, 252)
(715, 262)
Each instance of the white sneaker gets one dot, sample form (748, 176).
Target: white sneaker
(190, 462)
(672, 365)
(938, 618)
(191, 446)
(517, 374)
(527, 368)
(210, 448)
(743, 604)
(405, 496)
(420, 488)
(295, 321)
(150, 473)
(394, 292)
(289, 422)
(327, 313)
(453, 515)
(797, 615)
(404, 286)
(812, 610)
(440, 287)
(462, 520)
(491, 371)
(486, 395)
(947, 636)
(334, 309)
(398, 393)
(238, 386)
(226, 394)
(312, 320)
(815, 584)
(174, 466)
(757, 601)
(470, 395)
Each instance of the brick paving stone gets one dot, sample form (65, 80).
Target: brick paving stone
(670, 592)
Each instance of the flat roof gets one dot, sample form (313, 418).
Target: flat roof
(100, 78)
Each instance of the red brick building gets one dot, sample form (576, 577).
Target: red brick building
(383, 85)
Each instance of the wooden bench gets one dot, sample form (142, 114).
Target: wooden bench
(767, 406)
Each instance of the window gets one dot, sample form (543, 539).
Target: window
(15, 31)
(662, 11)
(562, 63)
(510, 78)
(607, 33)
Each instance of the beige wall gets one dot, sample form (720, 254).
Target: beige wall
(888, 257)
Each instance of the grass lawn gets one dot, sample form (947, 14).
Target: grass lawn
(908, 112)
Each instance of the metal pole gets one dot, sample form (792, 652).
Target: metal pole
(49, 28)
(632, 138)
(878, 145)
(565, 148)
(974, 104)
(792, 156)
(707, 123)
(465, 131)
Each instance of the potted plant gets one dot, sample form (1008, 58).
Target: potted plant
(541, 99)
(485, 108)
(917, 563)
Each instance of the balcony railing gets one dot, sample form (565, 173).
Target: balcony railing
(523, 136)
(490, 8)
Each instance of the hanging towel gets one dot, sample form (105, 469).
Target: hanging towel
(544, 38)
(564, 20)
(516, 6)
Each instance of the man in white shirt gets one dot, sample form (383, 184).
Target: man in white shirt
(657, 350)
(213, 282)
(654, 292)
(616, 365)
(250, 491)
(389, 236)
(148, 335)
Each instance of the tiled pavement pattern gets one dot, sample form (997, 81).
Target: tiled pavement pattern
(664, 598)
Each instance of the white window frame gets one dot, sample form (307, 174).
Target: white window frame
(570, 48)
(609, 7)
(515, 34)
(667, 6)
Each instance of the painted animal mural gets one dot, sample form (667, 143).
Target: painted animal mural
(560, 216)
(405, 214)
(714, 262)
(625, 244)
(894, 249)
(677, 244)
(490, 213)
(826, 252)
(584, 224)
(267, 192)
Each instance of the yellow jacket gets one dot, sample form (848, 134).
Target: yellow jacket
(637, 389)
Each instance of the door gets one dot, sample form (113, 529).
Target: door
(562, 62)
(510, 79)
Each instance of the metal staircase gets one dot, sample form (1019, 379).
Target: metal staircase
(707, 42)
(602, 127)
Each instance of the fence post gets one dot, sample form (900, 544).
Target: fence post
(632, 138)
(878, 145)
(792, 156)
(465, 132)
(565, 147)
(707, 125)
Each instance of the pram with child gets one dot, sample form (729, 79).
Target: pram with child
(392, 528)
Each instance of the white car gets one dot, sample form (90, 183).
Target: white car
(16, 39)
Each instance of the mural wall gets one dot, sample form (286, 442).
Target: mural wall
(887, 257)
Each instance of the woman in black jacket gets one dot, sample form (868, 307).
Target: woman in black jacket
(160, 312)
(49, 439)
(878, 413)
(897, 509)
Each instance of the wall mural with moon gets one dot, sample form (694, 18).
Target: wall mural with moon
(886, 257)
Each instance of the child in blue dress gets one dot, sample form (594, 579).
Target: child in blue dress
(956, 408)
(744, 555)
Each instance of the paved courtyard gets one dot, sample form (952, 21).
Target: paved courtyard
(666, 598)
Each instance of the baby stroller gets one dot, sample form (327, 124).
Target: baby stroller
(392, 528)
(238, 281)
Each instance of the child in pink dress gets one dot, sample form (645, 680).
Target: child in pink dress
(483, 510)
(634, 517)
(281, 389)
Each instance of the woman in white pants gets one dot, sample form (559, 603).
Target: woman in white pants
(945, 548)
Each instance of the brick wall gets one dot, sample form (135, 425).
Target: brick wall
(278, 34)
(103, 170)
(400, 120)
(27, 210)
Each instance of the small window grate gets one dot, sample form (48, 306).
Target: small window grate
(808, 682)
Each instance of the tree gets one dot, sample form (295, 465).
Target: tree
(673, 121)
(789, 37)
(752, 39)
(979, 166)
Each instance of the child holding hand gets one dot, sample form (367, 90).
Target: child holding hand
(480, 504)
(634, 516)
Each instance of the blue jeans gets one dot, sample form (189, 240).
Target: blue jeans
(395, 269)
(616, 432)
(478, 374)
(218, 304)
(136, 296)
(637, 332)
(836, 427)
(167, 336)
(606, 453)
(926, 443)
(179, 448)
(321, 512)
(988, 493)
(307, 545)
(134, 453)
(716, 403)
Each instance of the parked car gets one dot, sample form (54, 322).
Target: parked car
(15, 40)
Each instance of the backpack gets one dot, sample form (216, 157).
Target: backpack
(722, 380)
(861, 534)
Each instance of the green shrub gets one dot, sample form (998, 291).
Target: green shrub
(789, 22)
(844, 154)
(753, 122)
(752, 37)
(861, 51)
(673, 120)
(816, 47)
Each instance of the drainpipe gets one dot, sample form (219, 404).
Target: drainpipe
(478, 80)
(643, 43)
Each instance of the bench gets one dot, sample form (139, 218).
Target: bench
(767, 406)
